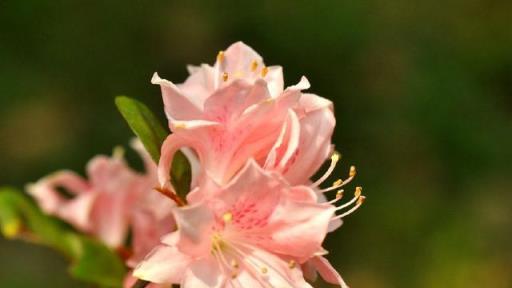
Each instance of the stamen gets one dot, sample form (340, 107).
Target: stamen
(334, 159)
(357, 194)
(254, 65)
(339, 195)
(227, 217)
(264, 270)
(220, 56)
(234, 264)
(292, 264)
(225, 76)
(179, 125)
(352, 171)
(264, 71)
(359, 203)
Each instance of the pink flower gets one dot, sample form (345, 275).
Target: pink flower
(237, 110)
(253, 232)
(112, 199)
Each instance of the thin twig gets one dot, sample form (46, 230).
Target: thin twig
(170, 194)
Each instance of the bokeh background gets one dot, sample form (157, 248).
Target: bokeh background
(423, 97)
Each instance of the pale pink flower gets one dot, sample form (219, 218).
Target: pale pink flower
(238, 110)
(253, 232)
(112, 199)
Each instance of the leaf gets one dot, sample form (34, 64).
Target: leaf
(143, 123)
(152, 134)
(181, 175)
(91, 261)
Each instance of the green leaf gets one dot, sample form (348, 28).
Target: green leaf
(143, 123)
(152, 134)
(91, 261)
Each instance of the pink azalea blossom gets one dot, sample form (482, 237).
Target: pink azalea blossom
(112, 200)
(253, 232)
(238, 110)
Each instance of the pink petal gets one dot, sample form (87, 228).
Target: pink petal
(177, 106)
(165, 264)
(78, 211)
(279, 273)
(203, 273)
(327, 272)
(199, 85)
(298, 228)
(194, 229)
(46, 194)
(110, 219)
(314, 146)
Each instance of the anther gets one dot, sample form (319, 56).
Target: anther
(225, 76)
(234, 274)
(292, 264)
(179, 125)
(361, 200)
(352, 171)
(254, 65)
(234, 264)
(227, 217)
(339, 194)
(337, 182)
(264, 270)
(264, 71)
(220, 56)
(335, 156)
(358, 191)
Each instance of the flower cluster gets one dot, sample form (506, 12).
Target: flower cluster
(252, 217)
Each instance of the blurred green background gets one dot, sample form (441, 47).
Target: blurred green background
(423, 98)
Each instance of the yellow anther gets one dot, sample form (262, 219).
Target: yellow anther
(220, 56)
(361, 200)
(227, 217)
(358, 191)
(352, 172)
(264, 71)
(339, 194)
(264, 270)
(292, 264)
(180, 125)
(234, 274)
(225, 76)
(254, 65)
(337, 182)
(335, 157)
(234, 264)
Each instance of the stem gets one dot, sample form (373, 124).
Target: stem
(140, 284)
(170, 194)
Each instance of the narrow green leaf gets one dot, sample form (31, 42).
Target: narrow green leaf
(91, 261)
(152, 134)
(143, 123)
(181, 175)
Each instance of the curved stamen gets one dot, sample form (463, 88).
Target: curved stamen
(339, 195)
(359, 203)
(334, 159)
(357, 195)
(338, 184)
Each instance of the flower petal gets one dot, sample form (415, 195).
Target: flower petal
(314, 145)
(194, 229)
(327, 272)
(165, 264)
(203, 273)
(177, 106)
